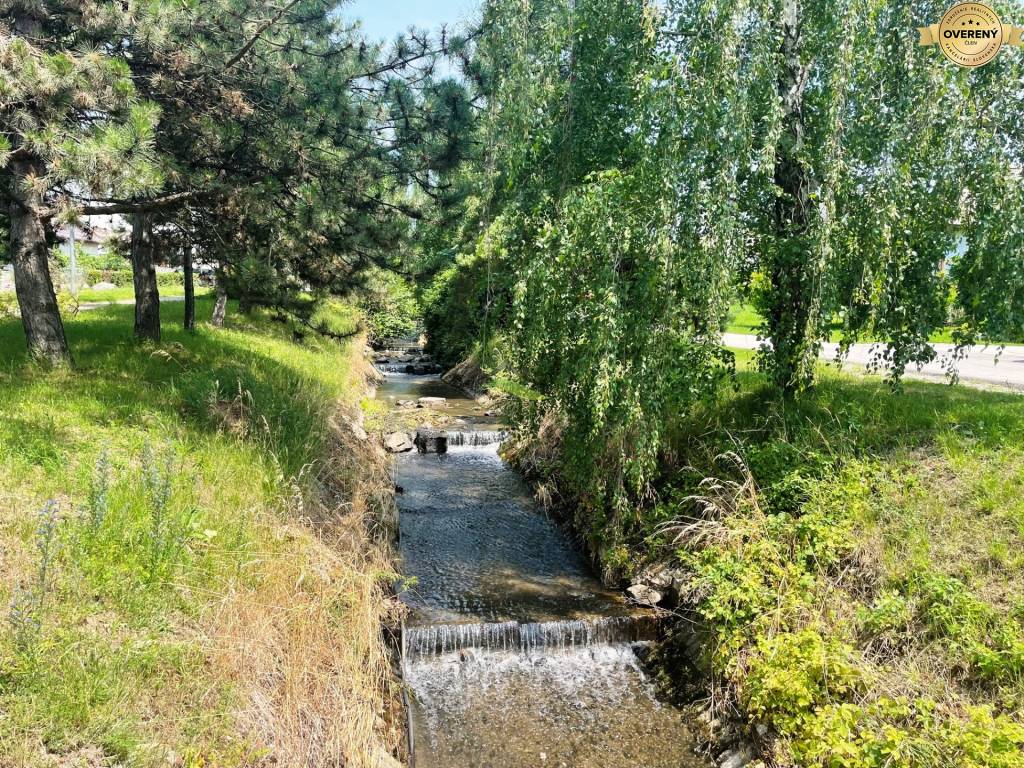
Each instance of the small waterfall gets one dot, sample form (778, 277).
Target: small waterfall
(475, 438)
(440, 639)
(419, 369)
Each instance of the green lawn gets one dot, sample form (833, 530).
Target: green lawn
(864, 594)
(127, 292)
(744, 319)
(170, 606)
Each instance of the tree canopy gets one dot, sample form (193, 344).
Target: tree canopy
(271, 139)
(644, 165)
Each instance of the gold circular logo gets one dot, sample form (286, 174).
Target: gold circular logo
(970, 34)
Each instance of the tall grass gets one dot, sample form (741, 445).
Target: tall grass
(198, 600)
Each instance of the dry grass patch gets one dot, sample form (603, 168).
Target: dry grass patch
(306, 648)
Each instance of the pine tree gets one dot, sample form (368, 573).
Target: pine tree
(68, 117)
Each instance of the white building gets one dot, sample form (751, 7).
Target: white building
(94, 233)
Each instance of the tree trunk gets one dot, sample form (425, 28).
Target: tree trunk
(40, 315)
(147, 294)
(190, 289)
(793, 303)
(221, 306)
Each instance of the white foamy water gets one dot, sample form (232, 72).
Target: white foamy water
(582, 708)
(441, 639)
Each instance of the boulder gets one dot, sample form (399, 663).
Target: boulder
(645, 594)
(359, 432)
(430, 440)
(670, 582)
(659, 578)
(104, 287)
(406, 403)
(736, 758)
(433, 402)
(398, 442)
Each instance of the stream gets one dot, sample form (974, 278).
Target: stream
(514, 653)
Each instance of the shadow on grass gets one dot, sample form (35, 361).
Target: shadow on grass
(251, 378)
(847, 416)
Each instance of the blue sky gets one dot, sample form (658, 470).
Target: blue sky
(388, 18)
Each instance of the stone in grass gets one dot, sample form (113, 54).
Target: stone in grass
(433, 402)
(645, 594)
(398, 442)
(430, 440)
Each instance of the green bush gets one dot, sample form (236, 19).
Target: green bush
(467, 305)
(170, 279)
(122, 278)
(8, 304)
(389, 305)
(118, 277)
(897, 733)
(791, 674)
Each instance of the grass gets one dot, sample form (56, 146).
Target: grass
(746, 320)
(127, 292)
(205, 589)
(857, 568)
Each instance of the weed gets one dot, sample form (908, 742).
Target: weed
(853, 559)
(167, 532)
(97, 504)
(26, 610)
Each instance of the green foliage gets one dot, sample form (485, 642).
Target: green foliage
(900, 734)
(104, 261)
(388, 304)
(822, 606)
(8, 304)
(172, 465)
(790, 675)
(465, 302)
(49, 89)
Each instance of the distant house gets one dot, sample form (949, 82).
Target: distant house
(94, 233)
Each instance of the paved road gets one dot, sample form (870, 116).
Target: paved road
(980, 364)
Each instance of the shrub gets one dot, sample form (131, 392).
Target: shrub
(389, 305)
(118, 277)
(790, 675)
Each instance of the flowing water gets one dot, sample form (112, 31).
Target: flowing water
(515, 655)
